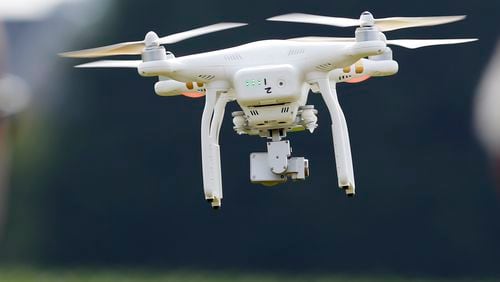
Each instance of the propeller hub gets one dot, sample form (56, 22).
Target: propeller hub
(151, 39)
(366, 19)
(153, 51)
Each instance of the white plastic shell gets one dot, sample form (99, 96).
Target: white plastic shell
(277, 156)
(267, 85)
(365, 67)
(174, 88)
(260, 171)
(275, 116)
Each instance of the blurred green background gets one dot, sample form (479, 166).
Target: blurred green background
(107, 175)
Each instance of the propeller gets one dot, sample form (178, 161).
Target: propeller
(151, 39)
(367, 19)
(407, 43)
(417, 43)
(111, 64)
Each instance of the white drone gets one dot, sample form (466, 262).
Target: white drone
(270, 80)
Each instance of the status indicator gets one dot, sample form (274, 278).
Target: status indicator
(254, 82)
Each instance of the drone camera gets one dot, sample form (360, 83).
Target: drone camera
(277, 165)
(297, 168)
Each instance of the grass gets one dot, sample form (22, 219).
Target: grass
(20, 274)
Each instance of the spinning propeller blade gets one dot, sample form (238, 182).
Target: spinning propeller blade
(136, 47)
(366, 19)
(177, 37)
(394, 23)
(111, 64)
(314, 19)
(417, 43)
(407, 43)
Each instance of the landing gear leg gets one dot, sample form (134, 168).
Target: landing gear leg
(216, 100)
(342, 147)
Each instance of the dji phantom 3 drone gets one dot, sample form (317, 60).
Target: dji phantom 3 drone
(271, 80)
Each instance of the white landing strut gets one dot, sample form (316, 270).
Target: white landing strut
(342, 146)
(215, 103)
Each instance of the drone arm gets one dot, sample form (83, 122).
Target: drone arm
(364, 69)
(342, 147)
(210, 126)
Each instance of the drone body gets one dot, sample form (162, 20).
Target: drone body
(271, 81)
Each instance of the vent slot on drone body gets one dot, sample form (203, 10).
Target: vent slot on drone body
(285, 109)
(233, 57)
(325, 67)
(254, 112)
(347, 76)
(294, 52)
(206, 76)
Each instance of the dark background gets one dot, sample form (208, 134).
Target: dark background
(120, 182)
